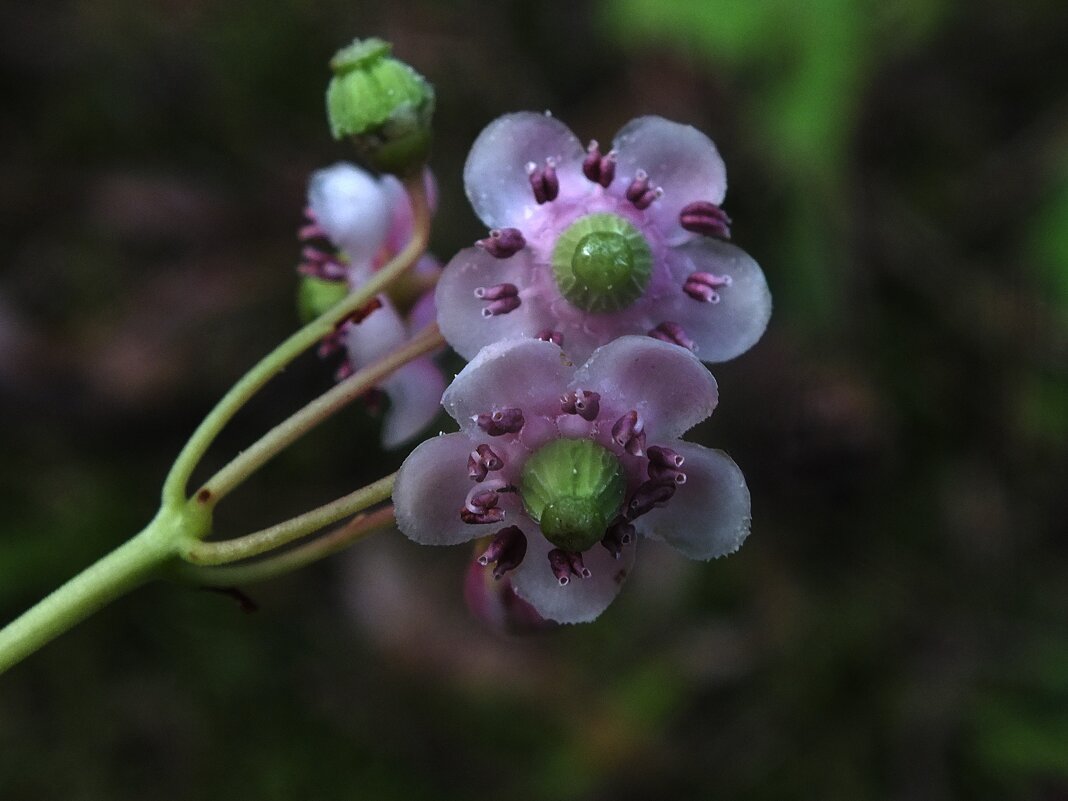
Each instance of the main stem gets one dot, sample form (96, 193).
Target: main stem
(131, 564)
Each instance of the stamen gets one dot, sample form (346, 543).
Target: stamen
(703, 286)
(629, 433)
(640, 193)
(481, 461)
(620, 533)
(482, 497)
(320, 264)
(507, 549)
(674, 333)
(560, 565)
(659, 472)
(585, 404)
(544, 181)
(503, 242)
(503, 298)
(551, 336)
(706, 218)
(650, 494)
(492, 515)
(599, 169)
(362, 313)
(332, 343)
(665, 457)
(503, 421)
(344, 370)
(574, 561)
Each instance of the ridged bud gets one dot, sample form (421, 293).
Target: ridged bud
(382, 104)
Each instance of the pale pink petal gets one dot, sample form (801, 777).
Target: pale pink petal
(730, 327)
(432, 487)
(664, 383)
(377, 335)
(351, 207)
(460, 312)
(527, 374)
(495, 174)
(400, 206)
(709, 515)
(582, 599)
(414, 401)
(679, 159)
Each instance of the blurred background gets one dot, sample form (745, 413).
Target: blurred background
(895, 628)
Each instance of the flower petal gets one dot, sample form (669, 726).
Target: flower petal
(495, 175)
(415, 399)
(460, 312)
(430, 490)
(667, 384)
(709, 515)
(527, 374)
(350, 205)
(679, 159)
(726, 329)
(377, 335)
(582, 599)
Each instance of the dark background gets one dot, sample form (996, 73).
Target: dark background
(897, 625)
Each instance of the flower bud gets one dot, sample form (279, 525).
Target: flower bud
(315, 296)
(384, 105)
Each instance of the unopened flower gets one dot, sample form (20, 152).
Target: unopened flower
(562, 468)
(587, 245)
(367, 220)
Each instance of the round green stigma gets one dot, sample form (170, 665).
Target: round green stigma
(602, 263)
(572, 488)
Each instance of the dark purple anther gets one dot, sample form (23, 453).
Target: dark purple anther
(503, 242)
(706, 218)
(640, 193)
(659, 472)
(585, 404)
(665, 457)
(648, 495)
(674, 333)
(599, 169)
(551, 336)
(502, 298)
(482, 500)
(543, 181)
(703, 286)
(620, 533)
(320, 264)
(574, 561)
(481, 461)
(503, 421)
(492, 515)
(560, 565)
(507, 549)
(312, 230)
(629, 433)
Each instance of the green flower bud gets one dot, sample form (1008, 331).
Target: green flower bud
(382, 104)
(315, 296)
(602, 263)
(572, 488)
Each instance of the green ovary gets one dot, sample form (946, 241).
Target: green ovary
(572, 488)
(602, 263)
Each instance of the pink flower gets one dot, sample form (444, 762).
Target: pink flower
(560, 468)
(368, 220)
(586, 246)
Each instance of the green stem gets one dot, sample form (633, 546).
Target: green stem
(174, 488)
(217, 553)
(240, 575)
(131, 564)
(327, 404)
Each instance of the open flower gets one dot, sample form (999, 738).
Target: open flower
(586, 246)
(560, 468)
(367, 220)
